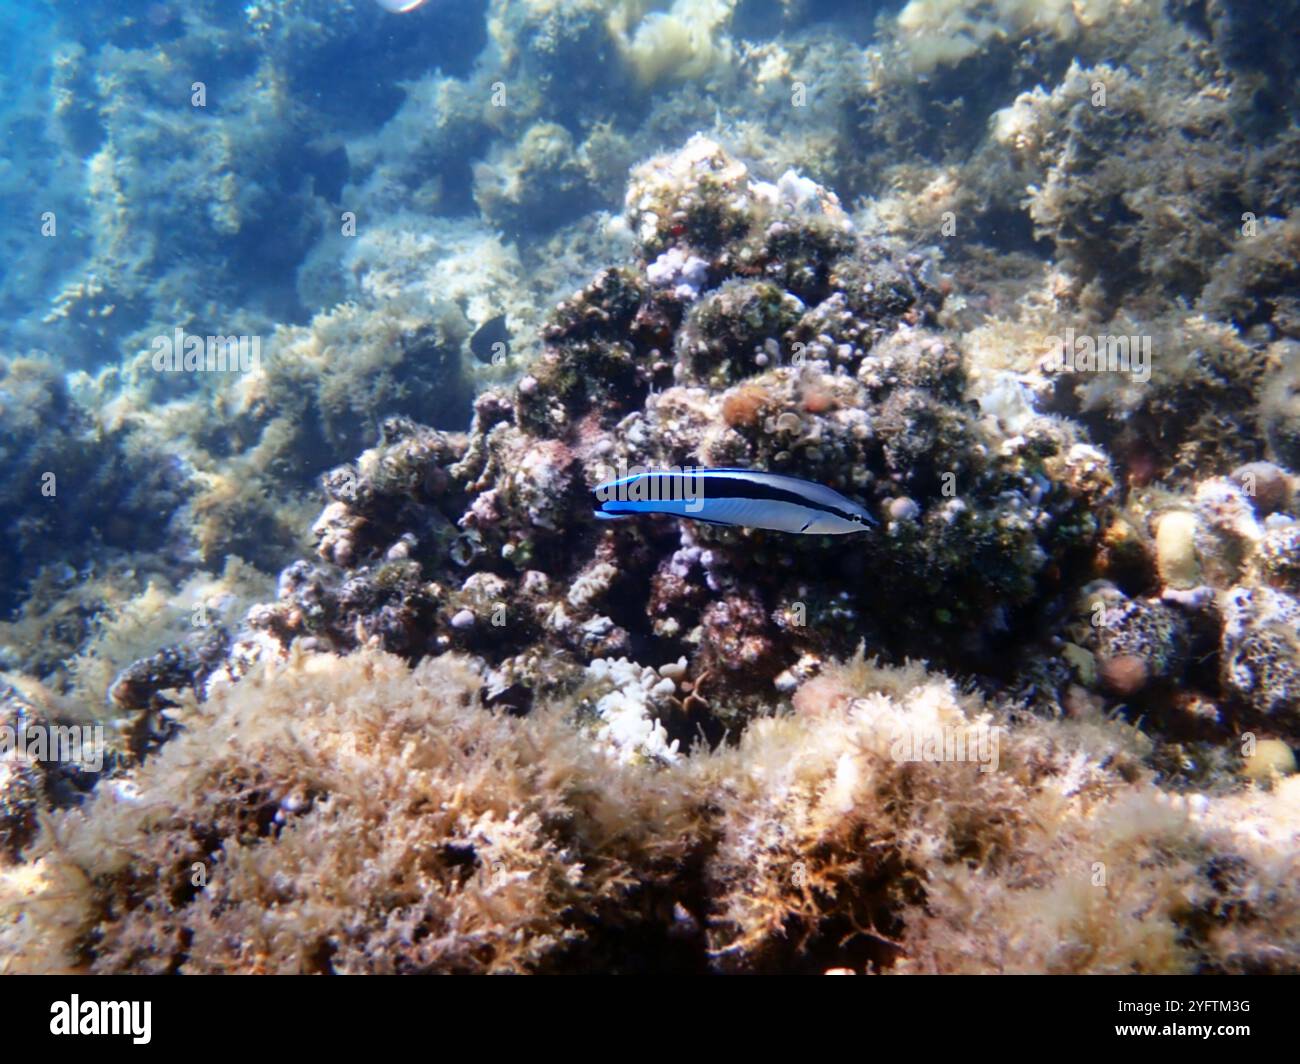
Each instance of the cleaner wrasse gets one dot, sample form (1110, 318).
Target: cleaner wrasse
(743, 497)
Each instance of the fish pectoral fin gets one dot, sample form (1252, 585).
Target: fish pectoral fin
(608, 517)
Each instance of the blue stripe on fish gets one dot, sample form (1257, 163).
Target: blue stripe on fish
(735, 497)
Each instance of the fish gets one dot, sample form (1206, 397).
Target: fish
(399, 6)
(491, 343)
(748, 498)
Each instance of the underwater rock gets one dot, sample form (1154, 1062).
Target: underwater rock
(48, 761)
(1267, 485)
(538, 184)
(1278, 558)
(1134, 642)
(1270, 760)
(1260, 654)
(985, 522)
(22, 780)
(73, 486)
(1255, 284)
(142, 691)
(1279, 403)
(1108, 229)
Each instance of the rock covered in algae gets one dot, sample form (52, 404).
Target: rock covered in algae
(1261, 653)
(757, 329)
(524, 844)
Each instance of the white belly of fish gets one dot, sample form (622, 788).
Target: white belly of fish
(753, 513)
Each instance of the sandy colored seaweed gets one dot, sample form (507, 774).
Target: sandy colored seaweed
(352, 814)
